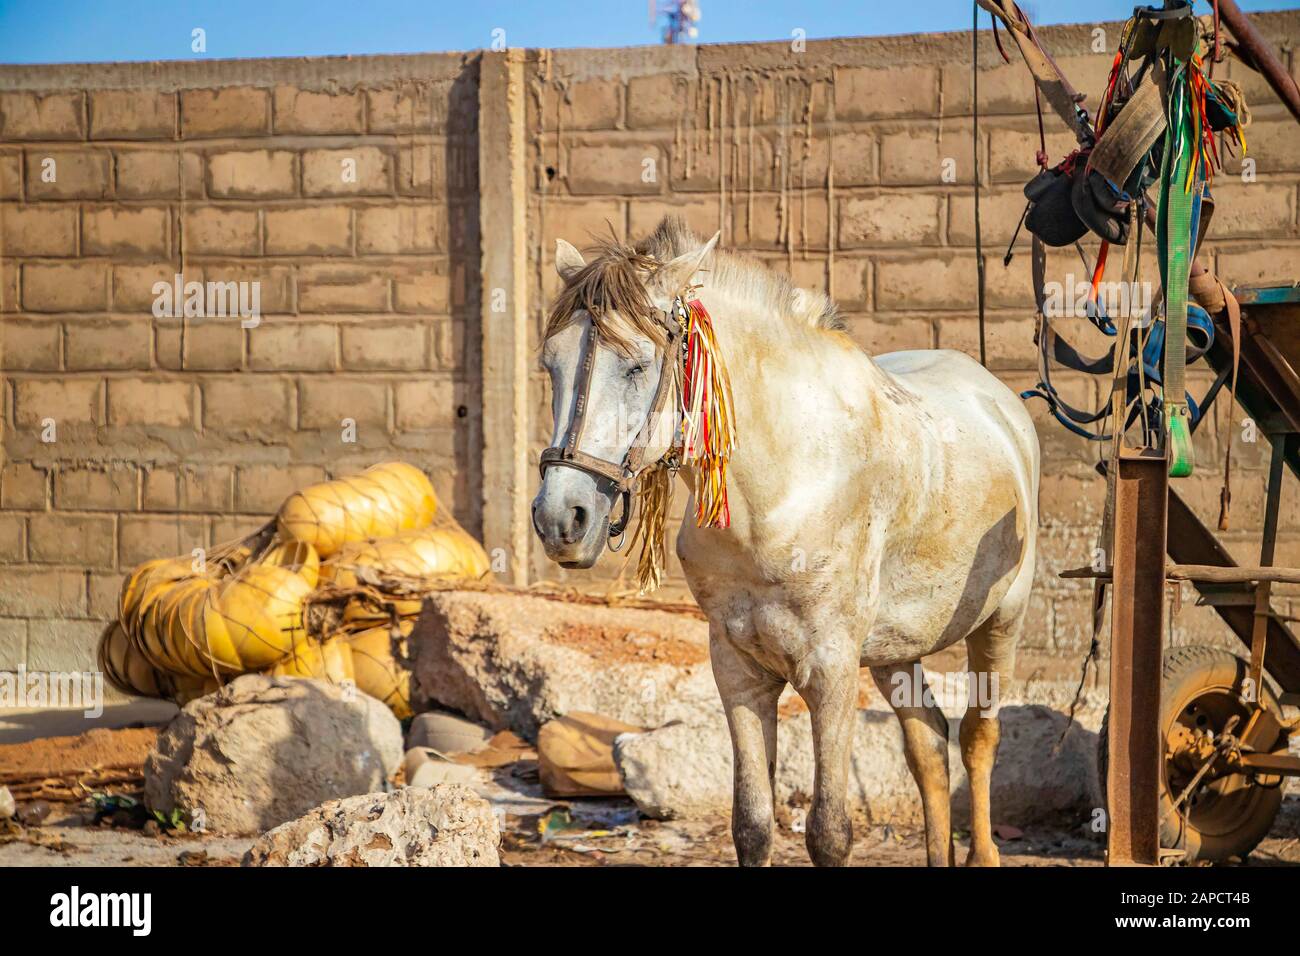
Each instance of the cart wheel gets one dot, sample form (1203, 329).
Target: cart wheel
(1227, 816)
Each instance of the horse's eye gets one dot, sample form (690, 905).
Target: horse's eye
(638, 370)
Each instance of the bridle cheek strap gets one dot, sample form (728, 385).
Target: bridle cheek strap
(623, 475)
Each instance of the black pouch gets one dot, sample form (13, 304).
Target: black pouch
(1051, 215)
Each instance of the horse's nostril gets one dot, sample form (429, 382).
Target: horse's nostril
(579, 525)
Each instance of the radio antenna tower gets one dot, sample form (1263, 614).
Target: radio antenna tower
(679, 19)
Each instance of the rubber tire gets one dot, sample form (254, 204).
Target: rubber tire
(1187, 671)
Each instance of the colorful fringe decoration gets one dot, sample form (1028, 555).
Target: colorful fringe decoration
(707, 437)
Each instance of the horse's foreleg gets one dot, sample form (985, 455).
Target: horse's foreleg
(749, 697)
(925, 745)
(832, 698)
(990, 651)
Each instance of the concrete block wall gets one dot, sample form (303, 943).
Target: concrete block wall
(847, 164)
(347, 191)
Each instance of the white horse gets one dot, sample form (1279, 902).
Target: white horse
(881, 510)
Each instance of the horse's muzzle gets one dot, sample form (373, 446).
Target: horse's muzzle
(573, 533)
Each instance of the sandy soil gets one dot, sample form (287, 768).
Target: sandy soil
(73, 828)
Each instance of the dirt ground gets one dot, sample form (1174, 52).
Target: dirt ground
(94, 818)
(542, 832)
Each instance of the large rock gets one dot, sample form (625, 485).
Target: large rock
(446, 825)
(264, 750)
(515, 661)
(684, 770)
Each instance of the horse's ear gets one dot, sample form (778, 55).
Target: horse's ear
(675, 275)
(568, 260)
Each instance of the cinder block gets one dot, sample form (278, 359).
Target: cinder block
(124, 231)
(864, 93)
(590, 104)
(700, 214)
(1253, 210)
(261, 489)
(421, 291)
(293, 345)
(656, 101)
(222, 231)
(211, 345)
(355, 171)
(943, 281)
(157, 174)
(1009, 343)
(252, 174)
(425, 403)
(317, 113)
(422, 171)
(617, 169)
(411, 107)
(68, 174)
(108, 345)
(311, 230)
(145, 537)
(132, 114)
(232, 111)
(401, 229)
(43, 593)
(141, 402)
(38, 230)
(69, 401)
(324, 405)
(23, 486)
(912, 218)
(854, 154)
(72, 539)
(41, 116)
(108, 488)
(65, 287)
(256, 404)
(11, 175)
(877, 336)
(13, 643)
(917, 157)
(133, 284)
(30, 346)
(388, 346)
(341, 288)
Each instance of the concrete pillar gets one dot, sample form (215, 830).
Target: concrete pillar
(503, 232)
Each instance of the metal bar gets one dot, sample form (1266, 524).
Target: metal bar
(1268, 543)
(1288, 765)
(1137, 629)
(1258, 50)
(1205, 573)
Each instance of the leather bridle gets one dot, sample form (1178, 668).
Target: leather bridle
(623, 474)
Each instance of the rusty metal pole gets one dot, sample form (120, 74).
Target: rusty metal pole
(1261, 55)
(1137, 629)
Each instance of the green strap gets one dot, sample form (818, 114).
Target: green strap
(1174, 240)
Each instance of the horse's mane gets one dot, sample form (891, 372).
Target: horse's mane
(614, 280)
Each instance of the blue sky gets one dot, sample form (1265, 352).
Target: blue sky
(61, 31)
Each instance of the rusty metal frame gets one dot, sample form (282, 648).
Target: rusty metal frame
(1136, 745)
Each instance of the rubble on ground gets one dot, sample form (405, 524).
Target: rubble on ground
(516, 661)
(684, 771)
(264, 750)
(445, 825)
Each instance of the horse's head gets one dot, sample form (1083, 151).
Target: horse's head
(613, 416)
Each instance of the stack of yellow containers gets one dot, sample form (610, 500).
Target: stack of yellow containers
(186, 626)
